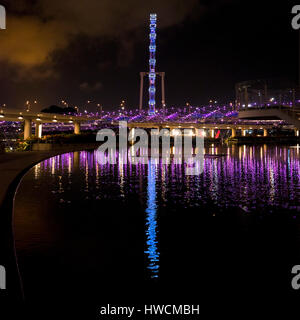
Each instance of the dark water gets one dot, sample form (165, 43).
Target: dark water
(88, 234)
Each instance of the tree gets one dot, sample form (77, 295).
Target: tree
(59, 110)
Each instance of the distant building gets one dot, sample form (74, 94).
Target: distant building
(265, 92)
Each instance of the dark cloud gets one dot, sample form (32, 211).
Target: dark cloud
(89, 88)
(51, 47)
(35, 29)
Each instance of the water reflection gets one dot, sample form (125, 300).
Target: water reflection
(151, 222)
(251, 180)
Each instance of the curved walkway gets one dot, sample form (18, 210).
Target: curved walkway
(13, 166)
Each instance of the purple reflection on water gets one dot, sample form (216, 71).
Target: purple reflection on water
(255, 180)
(268, 175)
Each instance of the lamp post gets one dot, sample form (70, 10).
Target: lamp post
(27, 105)
(188, 106)
(100, 107)
(122, 106)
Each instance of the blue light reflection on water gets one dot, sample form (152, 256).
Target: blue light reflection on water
(151, 222)
(251, 180)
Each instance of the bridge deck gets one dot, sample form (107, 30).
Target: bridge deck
(186, 125)
(20, 115)
(288, 114)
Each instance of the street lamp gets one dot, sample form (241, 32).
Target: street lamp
(122, 105)
(100, 106)
(188, 106)
(27, 106)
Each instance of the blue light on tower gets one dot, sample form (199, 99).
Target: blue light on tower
(152, 62)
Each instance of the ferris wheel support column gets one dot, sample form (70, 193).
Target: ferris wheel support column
(141, 90)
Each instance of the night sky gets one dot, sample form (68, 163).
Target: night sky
(94, 50)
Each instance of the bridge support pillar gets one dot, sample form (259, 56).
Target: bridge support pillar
(212, 133)
(233, 132)
(38, 130)
(296, 132)
(244, 132)
(27, 129)
(265, 132)
(76, 127)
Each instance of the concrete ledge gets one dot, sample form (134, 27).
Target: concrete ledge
(13, 166)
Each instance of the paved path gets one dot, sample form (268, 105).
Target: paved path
(13, 166)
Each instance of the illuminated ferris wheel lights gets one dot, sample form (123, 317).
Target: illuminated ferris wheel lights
(152, 62)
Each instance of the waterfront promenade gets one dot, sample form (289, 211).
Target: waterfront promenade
(13, 166)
